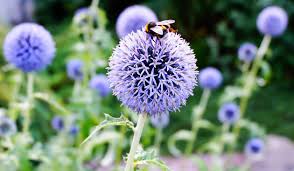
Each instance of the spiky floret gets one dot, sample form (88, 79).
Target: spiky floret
(151, 75)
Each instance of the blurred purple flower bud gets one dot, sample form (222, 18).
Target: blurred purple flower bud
(247, 52)
(272, 21)
(229, 113)
(160, 121)
(74, 69)
(57, 123)
(210, 78)
(133, 18)
(29, 47)
(100, 84)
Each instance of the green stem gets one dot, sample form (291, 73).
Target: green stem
(225, 130)
(120, 146)
(158, 139)
(46, 98)
(27, 115)
(197, 116)
(249, 84)
(136, 140)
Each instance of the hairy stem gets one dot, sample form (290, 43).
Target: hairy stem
(197, 116)
(135, 142)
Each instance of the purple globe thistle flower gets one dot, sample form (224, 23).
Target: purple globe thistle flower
(74, 69)
(254, 148)
(57, 123)
(247, 52)
(73, 130)
(210, 78)
(100, 84)
(272, 21)
(160, 121)
(134, 18)
(82, 17)
(229, 113)
(29, 47)
(7, 127)
(151, 75)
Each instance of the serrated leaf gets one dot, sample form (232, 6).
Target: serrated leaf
(110, 121)
(180, 135)
(149, 157)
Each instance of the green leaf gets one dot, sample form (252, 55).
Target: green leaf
(111, 121)
(205, 124)
(180, 135)
(266, 72)
(231, 93)
(149, 157)
(254, 128)
(104, 137)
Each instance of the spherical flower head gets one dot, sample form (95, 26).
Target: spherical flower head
(254, 148)
(57, 123)
(74, 69)
(272, 21)
(152, 75)
(73, 130)
(210, 78)
(133, 18)
(82, 17)
(7, 127)
(229, 113)
(29, 47)
(247, 52)
(160, 121)
(100, 84)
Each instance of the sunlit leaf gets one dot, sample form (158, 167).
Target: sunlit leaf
(180, 135)
(149, 158)
(254, 128)
(111, 121)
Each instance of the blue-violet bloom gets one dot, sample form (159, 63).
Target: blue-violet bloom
(57, 123)
(272, 21)
(229, 113)
(73, 130)
(100, 84)
(210, 78)
(160, 121)
(152, 75)
(254, 148)
(133, 18)
(247, 52)
(74, 69)
(29, 47)
(7, 127)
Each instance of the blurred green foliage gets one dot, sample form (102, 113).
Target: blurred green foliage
(214, 28)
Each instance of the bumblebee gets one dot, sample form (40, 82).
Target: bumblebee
(159, 29)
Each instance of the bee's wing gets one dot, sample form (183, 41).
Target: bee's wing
(165, 22)
(157, 29)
